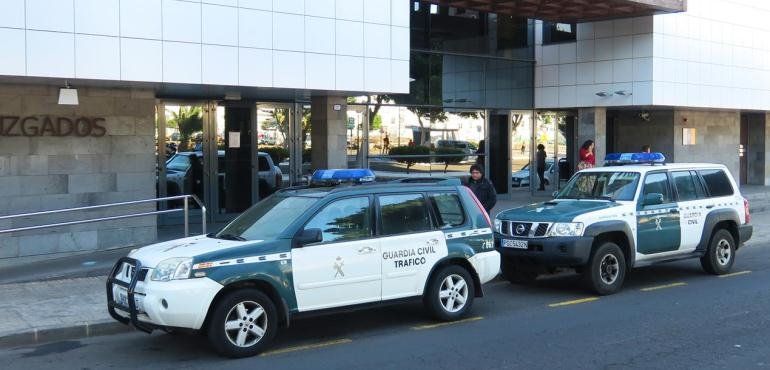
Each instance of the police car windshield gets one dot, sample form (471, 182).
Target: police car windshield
(601, 185)
(267, 219)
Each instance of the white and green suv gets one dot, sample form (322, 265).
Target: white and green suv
(610, 219)
(310, 249)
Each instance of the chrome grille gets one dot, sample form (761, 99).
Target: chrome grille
(525, 229)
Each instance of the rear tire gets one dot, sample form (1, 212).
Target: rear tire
(450, 293)
(243, 323)
(720, 255)
(606, 270)
(517, 273)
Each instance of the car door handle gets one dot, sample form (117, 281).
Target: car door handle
(366, 250)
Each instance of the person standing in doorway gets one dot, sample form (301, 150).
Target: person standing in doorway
(646, 149)
(540, 156)
(482, 188)
(587, 157)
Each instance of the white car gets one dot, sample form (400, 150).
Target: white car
(520, 178)
(607, 220)
(303, 250)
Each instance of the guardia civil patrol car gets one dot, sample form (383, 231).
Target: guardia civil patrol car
(636, 212)
(309, 249)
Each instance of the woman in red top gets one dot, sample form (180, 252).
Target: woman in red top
(587, 158)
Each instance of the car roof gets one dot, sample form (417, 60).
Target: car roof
(643, 168)
(369, 188)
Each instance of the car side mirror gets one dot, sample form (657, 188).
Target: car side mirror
(308, 236)
(653, 199)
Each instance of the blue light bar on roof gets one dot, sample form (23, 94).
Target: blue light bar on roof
(634, 158)
(357, 175)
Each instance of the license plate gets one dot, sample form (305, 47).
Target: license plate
(121, 296)
(516, 244)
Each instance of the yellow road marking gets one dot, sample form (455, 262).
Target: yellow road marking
(734, 274)
(306, 347)
(431, 326)
(672, 285)
(575, 301)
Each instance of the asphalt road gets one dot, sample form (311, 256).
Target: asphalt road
(669, 316)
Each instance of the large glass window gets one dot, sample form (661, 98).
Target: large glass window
(403, 213)
(446, 28)
(420, 141)
(346, 219)
(554, 32)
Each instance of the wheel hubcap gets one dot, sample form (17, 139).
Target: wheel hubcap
(724, 253)
(245, 324)
(453, 293)
(609, 269)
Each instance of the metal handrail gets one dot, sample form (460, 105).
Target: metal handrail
(185, 209)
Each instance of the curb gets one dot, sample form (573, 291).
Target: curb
(84, 330)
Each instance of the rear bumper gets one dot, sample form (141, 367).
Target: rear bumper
(552, 252)
(745, 232)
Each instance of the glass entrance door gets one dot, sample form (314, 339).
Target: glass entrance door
(283, 134)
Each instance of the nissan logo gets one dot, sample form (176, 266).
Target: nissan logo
(520, 229)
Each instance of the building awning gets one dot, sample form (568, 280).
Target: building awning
(569, 11)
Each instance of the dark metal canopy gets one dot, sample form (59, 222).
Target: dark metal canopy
(570, 10)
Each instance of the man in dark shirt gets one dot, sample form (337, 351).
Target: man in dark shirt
(482, 188)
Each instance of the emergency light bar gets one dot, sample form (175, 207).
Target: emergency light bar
(619, 159)
(334, 177)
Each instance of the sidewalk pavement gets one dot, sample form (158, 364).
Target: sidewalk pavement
(54, 310)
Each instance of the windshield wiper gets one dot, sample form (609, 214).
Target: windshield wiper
(230, 237)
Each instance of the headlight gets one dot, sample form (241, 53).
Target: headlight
(567, 229)
(498, 225)
(172, 269)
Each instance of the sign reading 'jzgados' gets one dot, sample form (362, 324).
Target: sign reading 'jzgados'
(52, 126)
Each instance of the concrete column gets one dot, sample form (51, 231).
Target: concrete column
(766, 151)
(592, 125)
(328, 132)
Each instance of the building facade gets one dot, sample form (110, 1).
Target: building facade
(349, 83)
(694, 85)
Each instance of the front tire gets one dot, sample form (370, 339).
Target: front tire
(243, 323)
(720, 255)
(606, 270)
(450, 293)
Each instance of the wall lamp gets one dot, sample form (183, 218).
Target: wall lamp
(624, 93)
(68, 95)
(602, 94)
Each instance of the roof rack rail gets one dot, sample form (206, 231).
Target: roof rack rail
(428, 180)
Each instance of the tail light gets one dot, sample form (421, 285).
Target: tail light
(481, 207)
(746, 212)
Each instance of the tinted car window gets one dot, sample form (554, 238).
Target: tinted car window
(262, 164)
(345, 219)
(449, 212)
(403, 213)
(685, 185)
(717, 183)
(657, 183)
